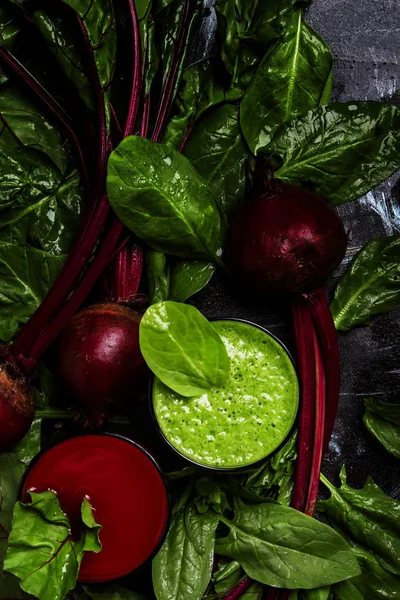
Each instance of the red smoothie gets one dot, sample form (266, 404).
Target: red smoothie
(125, 489)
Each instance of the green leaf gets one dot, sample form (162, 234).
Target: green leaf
(61, 40)
(292, 79)
(98, 20)
(188, 278)
(41, 550)
(368, 516)
(9, 34)
(370, 286)
(317, 594)
(255, 592)
(342, 150)
(281, 547)
(383, 422)
(374, 583)
(218, 151)
(29, 446)
(26, 275)
(246, 28)
(182, 569)
(274, 478)
(29, 126)
(182, 348)
(158, 276)
(200, 89)
(110, 592)
(157, 194)
(11, 471)
(227, 576)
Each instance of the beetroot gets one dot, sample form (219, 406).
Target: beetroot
(100, 361)
(286, 242)
(17, 408)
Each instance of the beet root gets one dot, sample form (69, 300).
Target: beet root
(288, 241)
(101, 365)
(17, 408)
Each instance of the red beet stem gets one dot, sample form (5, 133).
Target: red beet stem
(239, 589)
(101, 259)
(319, 428)
(169, 84)
(137, 77)
(144, 127)
(127, 272)
(303, 326)
(51, 103)
(327, 335)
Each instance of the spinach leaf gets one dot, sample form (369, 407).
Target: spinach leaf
(98, 21)
(371, 284)
(9, 34)
(26, 275)
(246, 28)
(227, 576)
(374, 583)
(279, 546)
(341, 150)
(109, 592)
(383, 422)
(29, 446)
(182, 569)
(218, 151)
(274, 478)
(255, 592)
(182, 348)
(188, 278)
(157, 194)
(200, 89)
(294, 77)
(158, 276)
(11, 471)
(61, 40)
(41, 551)
(371, 519)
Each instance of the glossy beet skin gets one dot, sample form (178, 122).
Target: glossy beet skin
(17, 408)
(288, 241)
(101, 365)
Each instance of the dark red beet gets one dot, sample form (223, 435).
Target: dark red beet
(17, 408)
(101, 364)
(306, 240)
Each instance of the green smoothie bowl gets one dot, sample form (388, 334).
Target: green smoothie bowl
(245, 420)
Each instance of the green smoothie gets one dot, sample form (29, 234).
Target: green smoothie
(244, 421)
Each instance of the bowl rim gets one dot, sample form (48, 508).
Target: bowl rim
(241, 468)
(152, 459)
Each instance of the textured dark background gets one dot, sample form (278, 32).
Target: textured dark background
(365, 40)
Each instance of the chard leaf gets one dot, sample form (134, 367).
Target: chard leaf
(370, 286)
(157, 194)
(26, 275)
(218, 151)
(29, 126)
(98, 21)
(279, 546)
(188, 278)
(383, 422)
(61, 40)
(158, 276)
(293, 78)
(182, 348)
(41, 551)
(367, 516)
(182, 569)
(341, 151)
